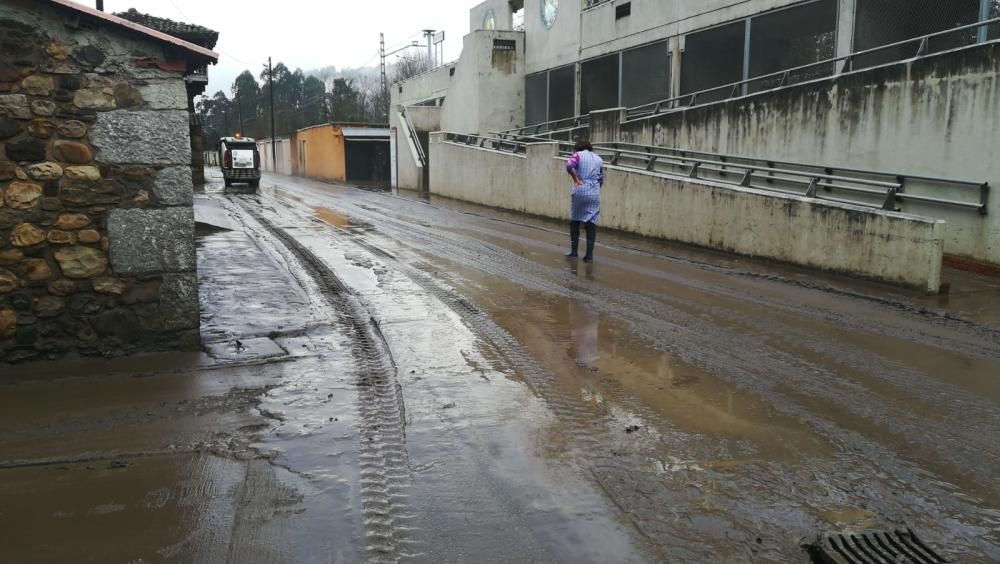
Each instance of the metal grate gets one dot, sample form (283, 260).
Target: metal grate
(896, 547)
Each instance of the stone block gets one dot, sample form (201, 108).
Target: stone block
(42, 128)
(94, 99)
(81, 263)
(8, 282)
(38, 85)
(89, 236)
(89, 55)
(87, 173)
(168, 95)
(10, 127)
(15, 106)
(45, 171)
(8, 323)
(174, 186)
(37, 270)
(178, 308)
(57, 237)
(62, 287)
(26, 235)
(73, 129)
(110, 286)
(72, 221)
(22, 195)
(10, 257)
(43, 108)
(49, 306)
(151, 241)
(150, 138)
(72, 152)
(29, 150)
(127, 96)
(83, 193)
(7, 170)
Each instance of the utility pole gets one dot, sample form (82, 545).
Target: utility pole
(239, 106)
(225, 112)
(270, 83)
(429, 33)
(385, 78)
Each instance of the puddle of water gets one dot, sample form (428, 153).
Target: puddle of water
(601, 357)
(332, 217)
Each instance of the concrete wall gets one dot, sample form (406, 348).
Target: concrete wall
(97, 252)
(283, 154)
(324, 153)
(503, 16)
(892, 247)
(937, 116)
(491, 83)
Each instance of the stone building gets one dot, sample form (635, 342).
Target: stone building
(97, 251)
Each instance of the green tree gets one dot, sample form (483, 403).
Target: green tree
(314, 111)
(343, 101)
(247, 95)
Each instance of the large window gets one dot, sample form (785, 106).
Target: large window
(562, 92)
(791, 38)
(713, 57)
(599, 83)
(536, 98)
(645, 75)
(882, 22)
(550, 95)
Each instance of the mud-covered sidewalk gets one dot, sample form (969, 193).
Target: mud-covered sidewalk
(387, 380)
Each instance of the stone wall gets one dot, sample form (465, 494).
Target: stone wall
(96, 222)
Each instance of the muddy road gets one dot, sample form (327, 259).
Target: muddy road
(435, 382)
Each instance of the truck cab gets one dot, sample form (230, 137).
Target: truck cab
(240, 161)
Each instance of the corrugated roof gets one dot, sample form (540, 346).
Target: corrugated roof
(188, 32)
(137, 28)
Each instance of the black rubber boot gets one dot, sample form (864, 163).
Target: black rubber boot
(591, 239)
(574, 239)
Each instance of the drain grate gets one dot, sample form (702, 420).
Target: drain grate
(896, 547)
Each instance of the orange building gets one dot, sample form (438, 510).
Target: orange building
(341, 152)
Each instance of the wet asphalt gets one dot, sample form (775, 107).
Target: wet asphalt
(390, 377)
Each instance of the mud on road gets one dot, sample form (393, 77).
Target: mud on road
(393, 378)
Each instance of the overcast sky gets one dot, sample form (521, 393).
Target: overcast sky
(307, 34)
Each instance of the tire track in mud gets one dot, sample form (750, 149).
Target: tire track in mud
(384, 463)
(967, 435)
(696, 340)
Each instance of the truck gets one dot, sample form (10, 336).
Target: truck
(240, 161)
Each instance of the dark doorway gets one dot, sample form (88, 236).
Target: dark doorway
(367, 160)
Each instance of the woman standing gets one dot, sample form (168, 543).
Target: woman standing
(587, 171)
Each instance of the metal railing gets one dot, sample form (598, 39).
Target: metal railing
(492, 143)
(588, 4)
(414, 138)
(868, 188)
(785, 77)
(885, 190)
(564, 126)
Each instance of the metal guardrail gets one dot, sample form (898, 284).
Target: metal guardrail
(874, 189)
(412, 133)
(493, 143)
(548, 128)
(980, 191)
(785, 77)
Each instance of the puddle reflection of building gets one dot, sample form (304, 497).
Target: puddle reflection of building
(584, 322)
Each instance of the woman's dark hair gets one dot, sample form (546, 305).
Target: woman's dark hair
(582, 144)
